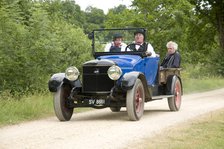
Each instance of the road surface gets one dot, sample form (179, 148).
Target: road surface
(102, 129)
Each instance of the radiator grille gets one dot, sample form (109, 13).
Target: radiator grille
(95, 79)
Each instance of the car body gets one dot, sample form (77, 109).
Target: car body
(115, 79)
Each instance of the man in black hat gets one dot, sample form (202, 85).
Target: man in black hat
(116, 45)
(141, 45)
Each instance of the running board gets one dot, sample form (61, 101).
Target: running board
(162, 96)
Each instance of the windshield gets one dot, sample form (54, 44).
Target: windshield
(113, 40)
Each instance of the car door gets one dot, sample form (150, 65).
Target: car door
(151, 69)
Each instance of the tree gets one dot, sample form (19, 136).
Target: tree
(118, 9)
(94, 19)
(211, 20)
(122, 17)
(67, 10)
(164, 21)
(36, 46)
(213, 12)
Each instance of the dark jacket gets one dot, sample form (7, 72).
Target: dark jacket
(115, 49)
(143, 47)
(171, 60)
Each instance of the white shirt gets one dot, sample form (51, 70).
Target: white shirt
(150, 49)
(108, 46)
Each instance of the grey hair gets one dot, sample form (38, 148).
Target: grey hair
(174, 45)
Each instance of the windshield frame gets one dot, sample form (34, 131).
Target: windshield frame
(97, 54)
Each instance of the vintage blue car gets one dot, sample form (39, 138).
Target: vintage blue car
(115, 79)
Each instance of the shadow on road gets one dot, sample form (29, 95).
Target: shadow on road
(107, 115)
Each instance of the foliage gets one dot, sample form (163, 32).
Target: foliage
(94, 19)
(212, 12)
(39, 38)
(195, 33)
(164, 20)
(67, 10)
(211, 26)
(35, 46)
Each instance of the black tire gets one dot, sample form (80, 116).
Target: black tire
(176, 90)
(61, 109)
(115, 109)
(135, 101)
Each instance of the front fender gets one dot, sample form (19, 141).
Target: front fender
(128, 80)
(57, 79)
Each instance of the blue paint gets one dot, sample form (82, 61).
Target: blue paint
(128, 63)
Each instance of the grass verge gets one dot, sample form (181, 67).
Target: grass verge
(28, 108)
(201, 85)
(206, 132)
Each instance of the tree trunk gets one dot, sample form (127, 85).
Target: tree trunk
(220, 22)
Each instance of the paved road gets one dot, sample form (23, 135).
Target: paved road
(102, 129)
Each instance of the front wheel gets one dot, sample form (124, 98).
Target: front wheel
(61, 108)
(135, 101)
(175, 102)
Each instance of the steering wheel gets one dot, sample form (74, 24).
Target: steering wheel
(128, 47)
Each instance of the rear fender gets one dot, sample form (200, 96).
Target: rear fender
(169, 84)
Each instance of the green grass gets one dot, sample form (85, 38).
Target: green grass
(205, 133)
(28, 108)
(201, 85)
(39, 106)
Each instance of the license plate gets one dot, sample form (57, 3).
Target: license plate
(97, 101)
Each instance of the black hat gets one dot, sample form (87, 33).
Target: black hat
(141, 31)
(117, 35)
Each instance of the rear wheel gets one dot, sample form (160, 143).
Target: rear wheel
(61, 108)
(135, 101)
(175, 102)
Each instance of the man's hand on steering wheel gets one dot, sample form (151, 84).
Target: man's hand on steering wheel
(128, 48)
(133, 45)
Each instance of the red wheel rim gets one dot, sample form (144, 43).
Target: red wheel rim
(138, 99)
(178, 94)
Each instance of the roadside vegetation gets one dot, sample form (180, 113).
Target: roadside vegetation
(28, 108)
(205, 132)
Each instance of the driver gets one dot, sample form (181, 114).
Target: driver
(117, 45)
(141, 45)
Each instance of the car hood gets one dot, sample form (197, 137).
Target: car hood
(122, 60)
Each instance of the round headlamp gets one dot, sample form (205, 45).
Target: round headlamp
(114, 72)
(72, 73)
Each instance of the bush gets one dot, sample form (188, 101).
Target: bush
(35, 47)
